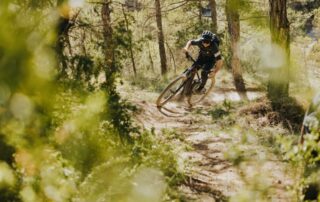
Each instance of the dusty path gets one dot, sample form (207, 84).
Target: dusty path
(211, 177)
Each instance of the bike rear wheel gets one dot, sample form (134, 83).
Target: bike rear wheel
(195, 97)
(173, 89)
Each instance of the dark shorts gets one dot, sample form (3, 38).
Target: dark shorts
(205, 64)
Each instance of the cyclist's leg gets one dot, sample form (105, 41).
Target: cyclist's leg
(187, 91)
(207, 67)
(188, 86)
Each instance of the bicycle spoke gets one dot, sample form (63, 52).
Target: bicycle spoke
(172, 89)
(197, 97)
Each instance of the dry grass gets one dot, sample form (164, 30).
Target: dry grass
(288, 113)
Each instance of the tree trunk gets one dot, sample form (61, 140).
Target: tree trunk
(172, 57)
(233, 19)
(64, 25)
(278, 85)
(117, 115)
(200, 11)
(150, 59)
(109, 45)
(213, 7)
(161, 39)
(83, 42)
(130, 43)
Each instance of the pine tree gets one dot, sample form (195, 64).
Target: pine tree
(278, 85)
(161, 38)
(232, 12)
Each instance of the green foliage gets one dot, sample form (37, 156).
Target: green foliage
(221, 111)
(6, 151)
(147, 152)
(92, 146)
(306, 159)
(73, 139)
(150, 82)
(253, 12)
(192, 32)
(84, 68)
(61, 141)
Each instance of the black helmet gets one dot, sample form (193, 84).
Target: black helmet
(207, 36)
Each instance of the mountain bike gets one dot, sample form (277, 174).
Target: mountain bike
(185, 86)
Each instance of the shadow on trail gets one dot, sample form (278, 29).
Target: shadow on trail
(285, 111)
(290, 112)
(200, 186)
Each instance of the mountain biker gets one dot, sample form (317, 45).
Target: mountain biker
(209, 56)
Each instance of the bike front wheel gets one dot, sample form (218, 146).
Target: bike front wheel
(170, 92)
(196, 97)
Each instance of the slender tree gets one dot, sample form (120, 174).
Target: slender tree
(62, 33)
(161, 38)
(200, 11)
(213, 7)
(278, 86)
(117, 111)
(130, 42)
(109, 45)
(64, 25)
(232, 12)
(150, 58)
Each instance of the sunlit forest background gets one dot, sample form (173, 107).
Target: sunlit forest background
(77, 76)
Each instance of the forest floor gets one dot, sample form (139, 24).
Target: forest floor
(226, 149)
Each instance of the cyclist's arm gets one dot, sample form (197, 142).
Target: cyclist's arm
(191, 43)
(186, 48)
(219, 62)
(219, 65)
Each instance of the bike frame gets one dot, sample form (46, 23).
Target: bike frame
(187, 81)
(190, 73)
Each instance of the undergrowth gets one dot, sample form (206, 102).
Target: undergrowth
(96, 148)
(84, 158)
(277, 131)
(154, 83)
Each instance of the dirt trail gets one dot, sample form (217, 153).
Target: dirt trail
(211, 177)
